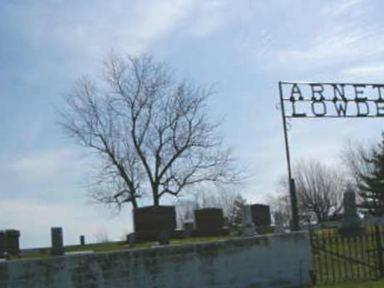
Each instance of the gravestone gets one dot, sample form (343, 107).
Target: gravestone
(188, 227)
(82, 240)
(152, 221)
(209, 222)
(261, 215)
(248, 227)
(2, 243)
(131, 239)
(279, 223)
(57, 248)
(12, 246)
(163, 238)
(351, 223)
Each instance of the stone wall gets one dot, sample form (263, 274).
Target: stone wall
(262, 261)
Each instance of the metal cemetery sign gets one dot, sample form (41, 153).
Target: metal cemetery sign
(325, 100)
(312, 100)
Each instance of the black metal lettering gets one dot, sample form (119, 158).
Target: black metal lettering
(359, 112)
(339, 92)
(379, 87)
(317, 89)
(379, 108)
(341, 107)
(317, 113)
(296, 90)
(294, 113)
(359, 90)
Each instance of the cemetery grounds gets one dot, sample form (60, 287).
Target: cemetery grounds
(355, 260)
(45, 252)
(373, 284)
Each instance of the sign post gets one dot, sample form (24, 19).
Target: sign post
(291, 182)
(325, 100)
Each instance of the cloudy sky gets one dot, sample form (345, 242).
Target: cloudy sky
(243, 47)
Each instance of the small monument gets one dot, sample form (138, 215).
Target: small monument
(57, 248)
(82, 240)
(279, 223)
(131, 239)
(248, 229)
(152, 221)
(12, 246)
(261, 216)
(351, 223)
(188, 227)
(209, 222)
(163, 238)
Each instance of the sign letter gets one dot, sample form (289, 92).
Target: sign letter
(317, 89)
(359, 112)
(379, 108)
(296, 90)
(378, 87)
(294, 114)
(359, 89)
(338, 92)
(317, 113)
(341, 107)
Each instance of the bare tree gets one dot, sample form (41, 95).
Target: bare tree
(365, 163)
(151, 132)
(224, 198)
(281, 204)
(319, 189)
(356, 157)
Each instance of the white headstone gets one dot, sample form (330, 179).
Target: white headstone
(279, 223)
(248, 226)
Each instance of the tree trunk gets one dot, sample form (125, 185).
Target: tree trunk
(155, 194)
(134, 204)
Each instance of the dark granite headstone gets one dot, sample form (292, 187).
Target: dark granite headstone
(131, 239)
(351, 223)
(12, 246)
(261, 215)
(209, 222)
(163, 238)
(152, 221)
(57, 241)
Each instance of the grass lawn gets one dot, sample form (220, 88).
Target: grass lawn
(113, 246)
(338, 258)
(375, 284)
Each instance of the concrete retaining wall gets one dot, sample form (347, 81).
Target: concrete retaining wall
(263, 261)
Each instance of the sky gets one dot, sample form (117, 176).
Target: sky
(241, 47)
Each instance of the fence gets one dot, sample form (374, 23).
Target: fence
(338, 258)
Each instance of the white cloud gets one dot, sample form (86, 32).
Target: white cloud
(208, 17)
(341, 36)
(333, 47)
(155, 18)
(84, 33)
(373, 72)
(341, 7)
(46, 165)
(255, 44)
